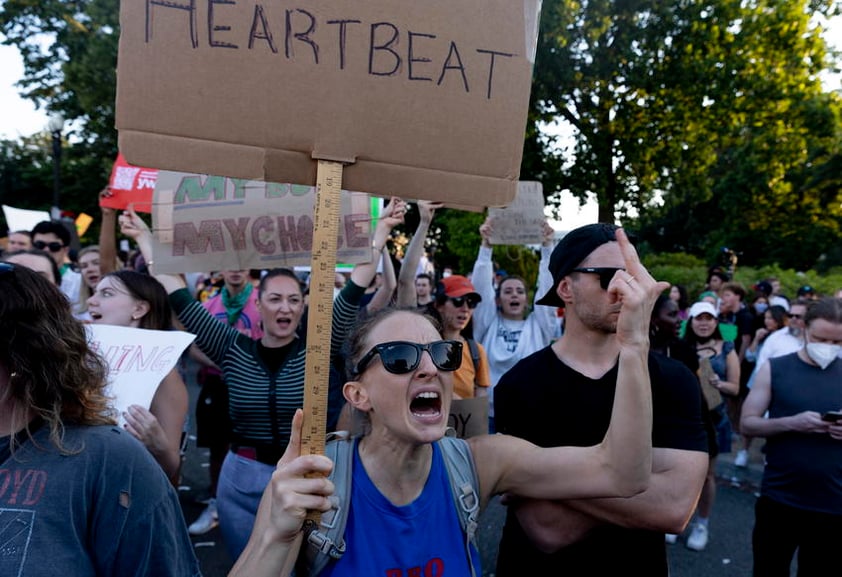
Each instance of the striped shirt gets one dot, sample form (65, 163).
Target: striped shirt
(261, 403)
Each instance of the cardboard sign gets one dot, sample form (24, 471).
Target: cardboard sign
(522, 221)
(422, 99)
(469, 417)
(130, 185)
(204, 223)
(23, 219)
(138, 360)
(706, 375)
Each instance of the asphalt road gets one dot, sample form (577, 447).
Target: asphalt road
(728, 553)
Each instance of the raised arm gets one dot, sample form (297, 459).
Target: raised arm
(383, 297)
(406, 277)
(545, 317)
(482, 278)
(107, 237)
(392, 215)
(136, 229)
(621, 464)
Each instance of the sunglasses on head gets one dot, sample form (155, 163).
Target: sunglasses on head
(606, 273)
(53, 246)
(458, 302)
(401, 357)
(6, 267)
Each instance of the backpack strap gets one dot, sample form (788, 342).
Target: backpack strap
(472, 346)
(464, 487)
(326, 541)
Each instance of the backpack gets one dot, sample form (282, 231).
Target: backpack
(325, 542)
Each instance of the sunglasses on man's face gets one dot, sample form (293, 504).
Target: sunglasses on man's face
(53, 246)
(401, 357)
(458, 302)
(606, 273)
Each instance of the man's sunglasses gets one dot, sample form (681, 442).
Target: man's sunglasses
(401, 357)
(53, 246)
(458, 302)
(606, 273)
(6, 267)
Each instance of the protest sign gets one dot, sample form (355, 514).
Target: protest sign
(23, 219)
(522, 221)
(420, 99)
(130, 185)
(137, 359)
(469, 417)
(204, 223)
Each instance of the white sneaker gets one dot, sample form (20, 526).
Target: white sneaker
(670, 538)
(741, 460)
(698, 539)
(206, 521)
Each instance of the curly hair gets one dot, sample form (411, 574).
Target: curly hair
(53, 372)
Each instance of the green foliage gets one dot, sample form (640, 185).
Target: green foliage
(69, 51)
(708, 119)
(691, 272)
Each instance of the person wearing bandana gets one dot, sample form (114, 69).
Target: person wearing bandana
(800, 503)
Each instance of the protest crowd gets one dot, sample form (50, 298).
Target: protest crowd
(603, 395)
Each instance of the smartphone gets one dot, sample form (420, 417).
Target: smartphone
(832, 416)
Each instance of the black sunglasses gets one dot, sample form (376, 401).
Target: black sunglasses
(606, 273)
(401, 357)
(6, 267)
(458, 302)
(53, 246)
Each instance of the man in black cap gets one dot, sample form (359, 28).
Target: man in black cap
(562, 395)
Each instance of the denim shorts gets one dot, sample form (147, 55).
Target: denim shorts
(238, 493)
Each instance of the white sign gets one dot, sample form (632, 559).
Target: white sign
(137, 359)
(22, 219)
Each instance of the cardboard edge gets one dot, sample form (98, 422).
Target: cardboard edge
(169, 152)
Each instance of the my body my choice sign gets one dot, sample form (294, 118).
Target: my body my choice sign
(425, 99)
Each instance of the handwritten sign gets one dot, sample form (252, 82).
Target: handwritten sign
(522, 221)
(203, 222)
(423, 99)
(130, 185)
(138, 360)
(469, 417)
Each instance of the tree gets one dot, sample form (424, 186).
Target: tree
(69, 51)
(687, 113)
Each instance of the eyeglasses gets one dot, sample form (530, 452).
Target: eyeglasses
(606, 273)
(53, 246)
(401, 357)
(6, 267)
(458, 302)
(792, 316)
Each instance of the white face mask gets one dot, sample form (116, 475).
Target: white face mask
(823, 353)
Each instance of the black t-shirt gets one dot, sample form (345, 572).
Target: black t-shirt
(546, 402)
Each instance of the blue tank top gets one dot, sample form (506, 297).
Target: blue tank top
(422, 538)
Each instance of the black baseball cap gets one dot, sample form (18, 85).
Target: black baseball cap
(571, 250)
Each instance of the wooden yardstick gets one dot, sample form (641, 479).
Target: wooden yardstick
(320, 315)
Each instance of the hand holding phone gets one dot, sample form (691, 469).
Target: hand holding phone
(832, 416)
